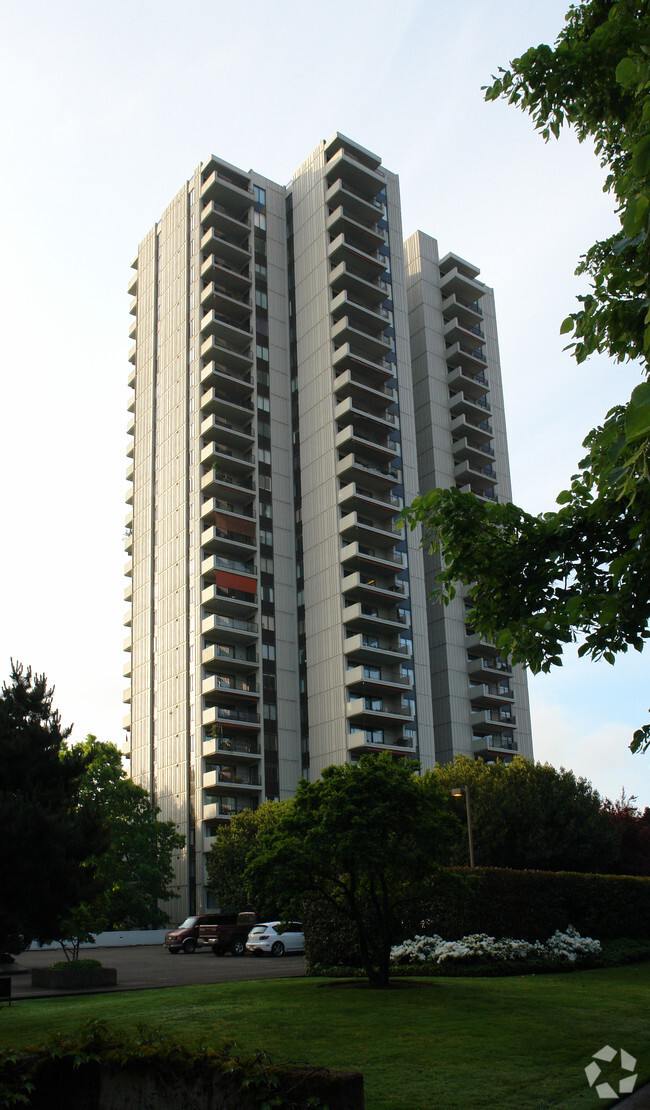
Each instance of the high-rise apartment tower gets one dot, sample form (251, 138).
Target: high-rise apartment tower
(299, 374)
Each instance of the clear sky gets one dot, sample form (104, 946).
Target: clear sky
(107, 109)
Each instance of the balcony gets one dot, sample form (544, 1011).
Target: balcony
(366, 234)
(223, 810)
(490, 668)
(364, 388)
(216, 349)
(468, 313)
(365, 617)
(229, 601)
(248, 750)
(377, 678)
(128, 592)
(239, 491)
(357, 204)
(374, 711)
(229, 463)
(474, 408)
(236, 252)
(471, 358)
(487, 495)
(228, 629)
(233, 278)
(345, 167)
(226, 540)
(356, 526)
(371, 559)
(478, 454)
(497, 745)
(384, 506)
(215, 715)
(226, 434)
(490, 695)
(368, 421)
(367, 587)
(224, 301)
(379, 478)
(126, 723)
(378, 371)
(375, 649)
(479, 479)
(368, 345)
(235, 335)
(227, 187)
(229, 657)
(221, 685)
(463, 287)
(367, 264)
(474, 384)
(364, 445)
(460, 331)
(493, 720)
(371, 291)
(378, 740)
(234, 410)
(232, 220)
(235, 383)
(371, 318)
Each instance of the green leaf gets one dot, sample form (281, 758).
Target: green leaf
(641, 157)
(626, 72)
(634, 219)
(566, 326)
(637, 414)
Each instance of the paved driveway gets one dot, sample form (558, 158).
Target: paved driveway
(147, 966)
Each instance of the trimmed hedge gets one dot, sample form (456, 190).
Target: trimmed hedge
(527, 905)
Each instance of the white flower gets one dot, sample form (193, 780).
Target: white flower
(568, 945)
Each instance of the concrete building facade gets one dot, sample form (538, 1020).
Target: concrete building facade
(298, 375)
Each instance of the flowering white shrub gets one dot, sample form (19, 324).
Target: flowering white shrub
(568, 945)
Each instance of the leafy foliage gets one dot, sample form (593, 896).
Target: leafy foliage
(530, 815)
(365, 838)
(633, 831)
(228, 859)
(136, 870)
(52, 845)
(580, 572)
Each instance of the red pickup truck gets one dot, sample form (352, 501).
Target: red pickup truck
(229, 934)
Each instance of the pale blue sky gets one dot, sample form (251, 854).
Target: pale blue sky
(106, 111)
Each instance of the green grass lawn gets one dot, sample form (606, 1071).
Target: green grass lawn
(436, 1044)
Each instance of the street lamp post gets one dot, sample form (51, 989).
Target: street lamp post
(457, 792)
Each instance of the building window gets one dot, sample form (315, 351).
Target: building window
(266, 565)
(262, 352)
(268, 622)
(264, 404)
(261, 299)
(268, 651)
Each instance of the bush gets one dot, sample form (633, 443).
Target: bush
(74, 965)
(530, 905)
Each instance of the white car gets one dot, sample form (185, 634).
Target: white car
(276, 937)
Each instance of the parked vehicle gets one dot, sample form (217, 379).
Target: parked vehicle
(228, 934)
(185, 937)
(276, 938)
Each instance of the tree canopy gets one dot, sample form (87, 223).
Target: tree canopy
(531, 816)
(52, 844)
(578, 573)
(365, 838)
(135, 871)
(227, 861)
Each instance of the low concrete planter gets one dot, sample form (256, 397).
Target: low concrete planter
(76, 979)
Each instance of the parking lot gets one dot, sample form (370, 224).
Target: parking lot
(147, 966)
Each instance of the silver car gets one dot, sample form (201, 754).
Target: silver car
(276, 938)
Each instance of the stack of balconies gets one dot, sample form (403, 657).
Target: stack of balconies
(376, 618)
(231, 717)
(491, 696)
(130, 475)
